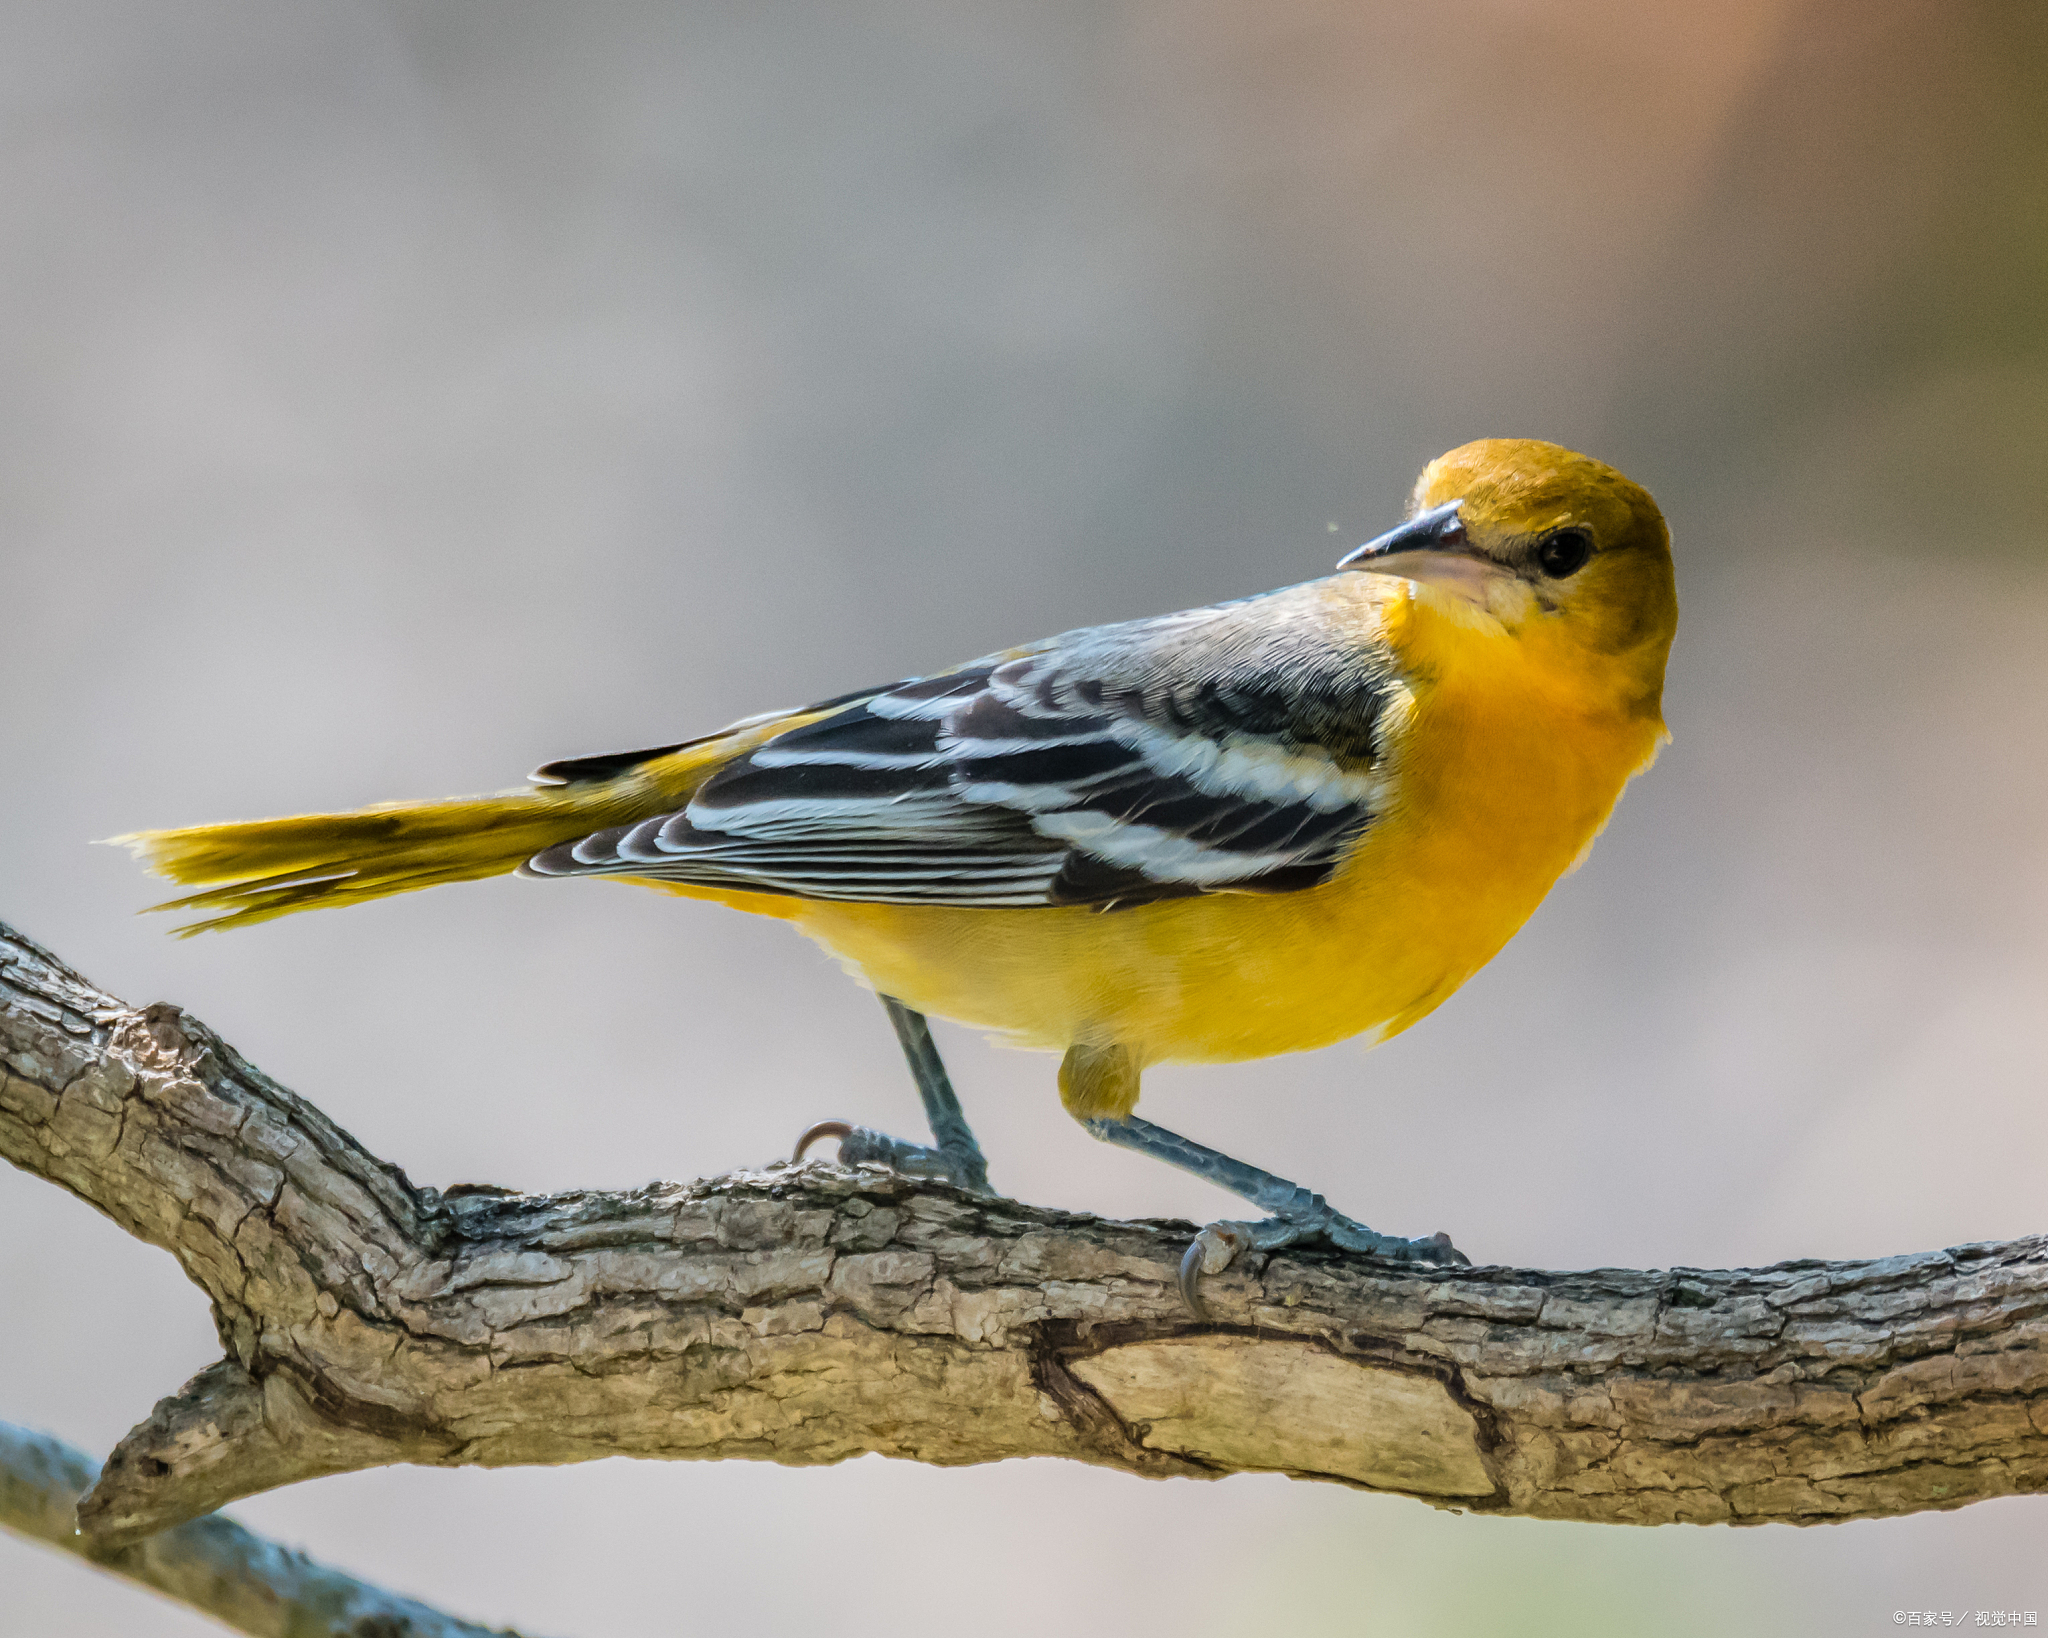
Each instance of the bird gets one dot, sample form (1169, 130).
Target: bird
(1257, 827)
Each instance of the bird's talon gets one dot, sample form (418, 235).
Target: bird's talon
(863, 1146)
(1211, 1252)
(1451, 1254)
(1219, 1245)
(824, 1129)
(1191, 1279)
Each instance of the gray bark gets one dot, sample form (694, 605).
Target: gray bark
(213, 1565)
(808, 1314)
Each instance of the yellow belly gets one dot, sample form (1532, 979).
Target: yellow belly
(1498, 789)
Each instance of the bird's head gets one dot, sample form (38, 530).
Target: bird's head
(1552, 548)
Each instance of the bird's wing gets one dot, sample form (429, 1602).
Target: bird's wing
(1233, 749)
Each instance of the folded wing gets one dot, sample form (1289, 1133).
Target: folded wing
(1234, 749)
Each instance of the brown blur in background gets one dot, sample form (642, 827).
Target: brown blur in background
(393, 396)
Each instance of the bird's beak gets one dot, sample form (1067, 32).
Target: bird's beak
(1429, 547)
(1440, 529)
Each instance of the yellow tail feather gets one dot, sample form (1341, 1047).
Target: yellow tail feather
(260, 868)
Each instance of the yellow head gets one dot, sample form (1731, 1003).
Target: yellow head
(1553, 549)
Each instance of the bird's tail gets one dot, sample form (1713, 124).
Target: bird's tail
(260, 868)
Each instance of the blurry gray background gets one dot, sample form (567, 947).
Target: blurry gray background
(393, 396)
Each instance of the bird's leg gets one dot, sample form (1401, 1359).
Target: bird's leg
(1297, 1214)
(955, 1155)
(1099, 1086)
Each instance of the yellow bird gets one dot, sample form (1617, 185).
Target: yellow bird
(1254, 828)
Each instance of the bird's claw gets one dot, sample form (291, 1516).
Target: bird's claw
(824, 1129)
(1221, 1244)
(1210, 1252)
(863, 1146)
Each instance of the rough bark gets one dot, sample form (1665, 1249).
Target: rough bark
(808, 1314)
(239, 1578)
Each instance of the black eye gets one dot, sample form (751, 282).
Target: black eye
(1564, 551)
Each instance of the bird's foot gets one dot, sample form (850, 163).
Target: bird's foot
(1299, 1214)
(955, 1157)
(1221, 1244)
(863, 1146)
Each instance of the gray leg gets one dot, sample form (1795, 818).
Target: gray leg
(955, 1156)
(1297, 1214)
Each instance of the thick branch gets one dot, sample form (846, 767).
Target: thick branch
(809, 1314)
(251, 1584)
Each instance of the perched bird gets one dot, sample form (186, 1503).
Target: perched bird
(1215, 835)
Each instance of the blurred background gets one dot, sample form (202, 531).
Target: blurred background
(393, 396)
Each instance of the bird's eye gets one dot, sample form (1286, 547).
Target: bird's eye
(1564, 551)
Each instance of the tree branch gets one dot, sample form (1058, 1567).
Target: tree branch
(253, 1585)
(808, 1314)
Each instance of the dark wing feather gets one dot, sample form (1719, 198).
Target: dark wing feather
(577, 770)
(1226, 750)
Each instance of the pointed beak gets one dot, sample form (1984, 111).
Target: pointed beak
(1439, 531)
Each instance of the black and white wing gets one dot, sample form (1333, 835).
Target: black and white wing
(1234, 749)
